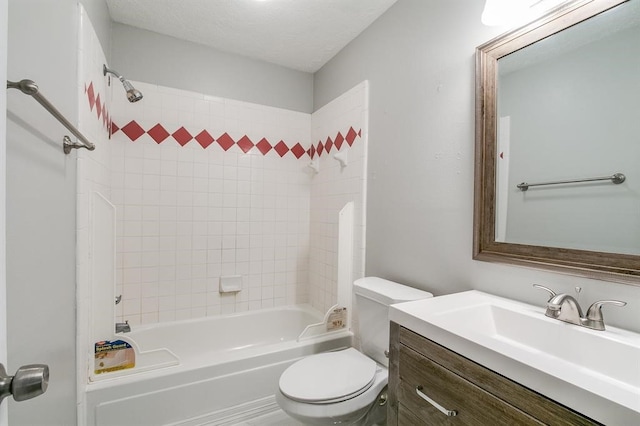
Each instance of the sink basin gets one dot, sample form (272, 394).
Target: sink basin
(594, 372)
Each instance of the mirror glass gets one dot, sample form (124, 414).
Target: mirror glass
(557, 181)
(568, 109)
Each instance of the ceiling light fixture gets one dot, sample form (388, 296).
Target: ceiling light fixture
(499, 13)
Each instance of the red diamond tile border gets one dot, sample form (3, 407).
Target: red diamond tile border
(264, 146)
(133, 130)
(281, 148)
(204, 139)
(245, 144)
(298, 150)
(225, 141)
(100, 106)
(182, 136)
(92, 96)
(159, 134)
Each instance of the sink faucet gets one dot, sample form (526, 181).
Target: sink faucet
(565, 307)
(123, 327)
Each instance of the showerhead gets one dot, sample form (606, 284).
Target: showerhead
(133, 95)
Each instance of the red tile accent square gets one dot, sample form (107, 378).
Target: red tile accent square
(114, 128)
(245, 144)
(91, 96)
(319, 148)
(351, 136)
(360, 133)
(281, 148)
(182, 136)
(297, 150)
(312, 152)
(328, 144)
(204, 139)
(225, 141)
(158, 133)
(98, 106)
(133, 130)
(264, 146)
(339, 140)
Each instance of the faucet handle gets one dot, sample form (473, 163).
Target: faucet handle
(594, 313)
(552, 293)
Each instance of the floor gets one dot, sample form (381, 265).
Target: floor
(278, 418)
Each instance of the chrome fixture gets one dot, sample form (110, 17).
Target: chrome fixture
(123, 327)
(616, 178)
(28, 87)
(132, 94)
(446, 412)
(118, 299)
(565, 307)
(28, 382)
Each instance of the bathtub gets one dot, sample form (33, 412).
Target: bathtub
(224, 369)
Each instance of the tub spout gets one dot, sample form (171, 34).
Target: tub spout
(123, 327)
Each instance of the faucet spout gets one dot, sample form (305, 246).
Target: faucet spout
(565, 307)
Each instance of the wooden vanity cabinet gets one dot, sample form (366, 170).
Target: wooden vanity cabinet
(478, 395)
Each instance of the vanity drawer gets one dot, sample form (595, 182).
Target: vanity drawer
(474, 406)
(412, 348)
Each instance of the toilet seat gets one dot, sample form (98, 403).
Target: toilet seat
(328, 377)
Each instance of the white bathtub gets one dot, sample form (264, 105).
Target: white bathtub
(226, 366)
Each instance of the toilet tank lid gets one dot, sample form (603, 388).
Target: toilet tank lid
(387, 292)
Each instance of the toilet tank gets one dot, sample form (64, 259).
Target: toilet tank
(373, 297)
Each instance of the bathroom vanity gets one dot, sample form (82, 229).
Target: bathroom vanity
(467, 392)
(473, 358)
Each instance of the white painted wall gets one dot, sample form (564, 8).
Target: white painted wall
(99, 15)
(147, 56)
(41, 188)
(419, 60)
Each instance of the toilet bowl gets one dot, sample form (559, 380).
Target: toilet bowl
(348, 386)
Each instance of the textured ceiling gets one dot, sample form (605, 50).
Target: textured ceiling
(298, 34)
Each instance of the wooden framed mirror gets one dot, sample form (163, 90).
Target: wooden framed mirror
(551, 111)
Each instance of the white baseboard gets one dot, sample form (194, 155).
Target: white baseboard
(234, 415)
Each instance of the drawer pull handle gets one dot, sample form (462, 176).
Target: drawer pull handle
(449, 413)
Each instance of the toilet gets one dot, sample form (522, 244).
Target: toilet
(348, 386)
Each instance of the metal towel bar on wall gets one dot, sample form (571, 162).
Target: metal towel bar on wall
(28, 87)
(616, 178)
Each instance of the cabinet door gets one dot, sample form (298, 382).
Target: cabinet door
(473, 405)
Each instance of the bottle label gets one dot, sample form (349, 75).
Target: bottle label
(113, 356)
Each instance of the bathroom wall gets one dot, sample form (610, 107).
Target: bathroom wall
(419, 60)
(147, 56)
(41, 191)
(207, 187)
(338, 127)
(98, 13)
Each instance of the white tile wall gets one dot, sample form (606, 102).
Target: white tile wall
(93, 175)
(188, 215)
(333, 187)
